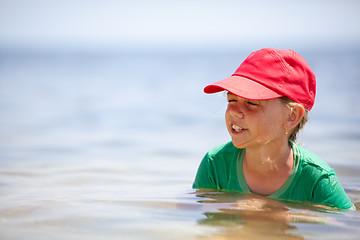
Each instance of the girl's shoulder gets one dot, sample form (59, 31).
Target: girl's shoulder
(308, 159)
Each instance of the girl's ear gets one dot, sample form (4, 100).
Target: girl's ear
(296, 113)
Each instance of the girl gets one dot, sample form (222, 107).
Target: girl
(269, 97)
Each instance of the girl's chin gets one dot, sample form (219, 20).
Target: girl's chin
(238, 144)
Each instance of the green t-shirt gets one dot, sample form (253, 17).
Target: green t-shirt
(311, 179)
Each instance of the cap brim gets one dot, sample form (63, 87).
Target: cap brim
(242, 87)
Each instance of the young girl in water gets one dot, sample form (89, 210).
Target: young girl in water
(269, 97)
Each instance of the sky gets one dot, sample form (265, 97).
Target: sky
(181, 23)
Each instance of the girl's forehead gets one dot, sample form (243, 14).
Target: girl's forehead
(229, 94)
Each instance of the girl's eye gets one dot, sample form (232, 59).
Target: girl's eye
(251, 103)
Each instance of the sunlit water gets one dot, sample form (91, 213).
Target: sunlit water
(106, 146)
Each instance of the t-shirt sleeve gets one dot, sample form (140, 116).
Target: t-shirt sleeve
(328, 191)
(205, 175)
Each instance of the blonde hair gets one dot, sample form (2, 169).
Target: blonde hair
(290, 103)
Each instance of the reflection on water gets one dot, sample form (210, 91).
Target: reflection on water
(257, 217)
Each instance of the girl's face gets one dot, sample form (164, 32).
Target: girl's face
(253, 123)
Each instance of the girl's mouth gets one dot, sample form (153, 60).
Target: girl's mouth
(237, 129)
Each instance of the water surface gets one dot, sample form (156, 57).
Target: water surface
(106, 146)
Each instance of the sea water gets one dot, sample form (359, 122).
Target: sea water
(105, 145)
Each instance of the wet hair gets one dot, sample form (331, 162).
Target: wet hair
(294, 132)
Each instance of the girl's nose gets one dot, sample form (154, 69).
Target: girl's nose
(235, 111)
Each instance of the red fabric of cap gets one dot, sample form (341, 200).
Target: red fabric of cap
(271, 73)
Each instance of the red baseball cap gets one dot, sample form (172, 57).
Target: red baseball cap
(271, 73)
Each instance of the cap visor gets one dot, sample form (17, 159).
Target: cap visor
(242, 87)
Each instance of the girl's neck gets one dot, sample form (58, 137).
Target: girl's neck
(268, 159)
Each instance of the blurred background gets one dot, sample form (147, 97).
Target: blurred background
(108, 25)
(97, 81)
(102, 103)
(102, 79)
